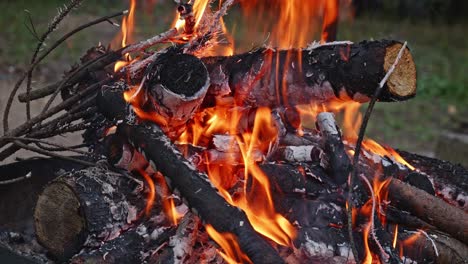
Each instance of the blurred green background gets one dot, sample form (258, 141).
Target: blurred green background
(435, 30)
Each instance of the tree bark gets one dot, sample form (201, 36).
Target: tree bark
(197, 191)
(268, 77)
(84, 207)
(429, 208)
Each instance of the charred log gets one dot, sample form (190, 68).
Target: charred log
(177, 84)
(449, 180)
(84, 207)
(197, 191)
(267, 77)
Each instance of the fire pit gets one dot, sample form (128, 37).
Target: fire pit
(200, 155)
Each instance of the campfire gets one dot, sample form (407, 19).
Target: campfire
(198, 154)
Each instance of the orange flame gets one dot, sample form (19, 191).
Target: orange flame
(257, 202)
(232, 253)
(169, 207)
(152, 191)
(330, 18)
(291, 23)
(128, 25)
(395, 236)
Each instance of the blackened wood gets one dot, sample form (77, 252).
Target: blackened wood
(177, 84)
(450, 180)
(128, 248)
(423, 249)
(134, 245)
(339, 165)
(268, 77)
(84, 207)
(431, 209)
(197, 191)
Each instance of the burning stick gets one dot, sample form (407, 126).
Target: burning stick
(197, 191)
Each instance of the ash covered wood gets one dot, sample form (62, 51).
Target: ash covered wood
(85, 207)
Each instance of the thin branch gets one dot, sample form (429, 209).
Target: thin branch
(62, 147)
(142, 45)
(52, 154)
(354, 174)
(27, 176)
(54, 110)
(31, 28)
(89, 66)
(52, 27)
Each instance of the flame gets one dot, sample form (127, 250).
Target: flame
(330, 17)
(152, 191)
(368, 253)
(232, 253)
(395, 236)
(128, 26)
(256, 201)
(169, 207)
(291, 23)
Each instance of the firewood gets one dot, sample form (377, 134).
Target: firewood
(339, 165)
(85, 206)
(268, 77)
(429, 208)
(197, 191)
(450, 180)
(433, 247)
(177, 84)
(132, 246)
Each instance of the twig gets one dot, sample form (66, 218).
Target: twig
(53, 154)
(357, 150)
(371, 221)
(27, 176)
(150, 42)
(63, 105)
(65, 148)
(49, 89)
(90, 66)
(52, 27)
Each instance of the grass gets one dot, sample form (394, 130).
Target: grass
(440, 52)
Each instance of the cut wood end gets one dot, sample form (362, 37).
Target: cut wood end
(58, 221)
(402, 81)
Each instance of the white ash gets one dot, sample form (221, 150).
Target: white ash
(298, 153)
(157, 232)
(225, 143)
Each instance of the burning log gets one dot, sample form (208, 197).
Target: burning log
(85, 207)
(197, 191)
(431, 209)
(177, 84)
(320, 74)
